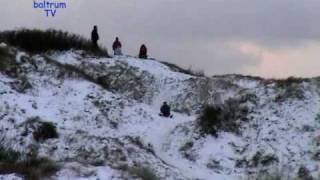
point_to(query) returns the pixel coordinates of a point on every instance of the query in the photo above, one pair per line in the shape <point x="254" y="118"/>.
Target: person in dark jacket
<point x="143" y="52"/>
<point x="165" y="110"/>
<point x="95" y="37"/>
<point x="117" y="47"/>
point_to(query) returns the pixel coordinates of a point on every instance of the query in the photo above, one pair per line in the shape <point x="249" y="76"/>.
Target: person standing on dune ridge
<point x="95" y="37"/>
<point x="117" y="47"/>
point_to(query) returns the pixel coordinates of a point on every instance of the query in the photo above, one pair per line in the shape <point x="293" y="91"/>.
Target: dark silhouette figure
<point x="143" y="52"/>
<point x="117" y="47"/>
<point x="165" y="110"/>
<point x="95" y="37"/>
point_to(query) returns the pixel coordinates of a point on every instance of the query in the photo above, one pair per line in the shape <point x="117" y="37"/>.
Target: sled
<point x="171" y="116"/>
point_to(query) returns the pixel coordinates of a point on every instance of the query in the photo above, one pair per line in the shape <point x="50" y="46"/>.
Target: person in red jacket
<point x="143" y="53"/>
<point x="117" y="47"/>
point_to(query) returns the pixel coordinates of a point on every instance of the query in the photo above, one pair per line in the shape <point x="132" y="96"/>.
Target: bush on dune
<point x="38" y="41"/>
<point x="226" y="117"/>
<point x="41" y="130"/>
<point x="3" y="59"/>
<point x="29" y="166"/>
<point x="291" y="88"/>
<point x="143" y="173"/>
<point x="45" y="131"/>
<point x="176" y="68"/>
<point x="284" y="83"/>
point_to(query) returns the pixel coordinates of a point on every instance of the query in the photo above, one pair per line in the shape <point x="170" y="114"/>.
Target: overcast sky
<point x="272" y="38"/>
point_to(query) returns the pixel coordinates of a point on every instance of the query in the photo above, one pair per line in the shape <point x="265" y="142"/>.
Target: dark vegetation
<point x="3" y="53"/>
<point x="189" y="71"/>
<point x="22" y="84"/>
<point x="8" y="156"/>
<point x="143" y="173"/>
<point x="239" y="76"/>
<point x="187" y="152"/>
<point x="281" y="173"/>
<point x="39" y="41"/>
<point x="28" y="165"/>
<point x="188" y="145"/>
<point x="31" y="168"/>
<point x="138" y="142"/>
<point x="290" y="88"/>
<point x="265" y="175"/>
<point x="4" y="59"/>
<point x="10" y="67"/>
<point x="284" y="83"/>
<point x="41" y="130"/>
<point x="226" y="117"/>
<point x="211" y="118"/>
<point x="45" y="131"/>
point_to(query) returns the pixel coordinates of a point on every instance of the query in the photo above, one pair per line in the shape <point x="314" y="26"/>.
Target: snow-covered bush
<point x="188" y="145"/>
<point x="142" y="145"/>
<point x="144" y="173"/>
<point x="304" y="173"/>
<point x="21" y="85"/>
<point x="259" y="159"/>
<point x="282" y="173"/>
<point x="31" y="168"/>
<point x="187" y="151"/>
<point x="263" y="159"/>
<point x="283" y="83"/>
<point x="290" y="88"/>
<point x="271" y="176"/>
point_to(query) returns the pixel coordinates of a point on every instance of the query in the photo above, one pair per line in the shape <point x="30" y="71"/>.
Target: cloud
<point x="268" y="22"/>
<point x="300" y="62"/>
<point x="221" y="57"/>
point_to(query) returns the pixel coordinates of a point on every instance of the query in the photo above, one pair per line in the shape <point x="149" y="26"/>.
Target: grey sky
<point x="273" y="38"/>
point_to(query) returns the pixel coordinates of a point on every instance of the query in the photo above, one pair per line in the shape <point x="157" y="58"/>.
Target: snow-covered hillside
<point x="106" y="114"/>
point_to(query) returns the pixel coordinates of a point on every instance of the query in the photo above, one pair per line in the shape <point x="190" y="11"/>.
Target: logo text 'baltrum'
<point x="49" y="7"/>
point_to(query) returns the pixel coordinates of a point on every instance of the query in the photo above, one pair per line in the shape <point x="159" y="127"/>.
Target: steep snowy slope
<point x="106" y="114"/>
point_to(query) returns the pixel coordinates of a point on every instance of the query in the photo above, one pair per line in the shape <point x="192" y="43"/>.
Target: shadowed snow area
<point x="106" y="113"/>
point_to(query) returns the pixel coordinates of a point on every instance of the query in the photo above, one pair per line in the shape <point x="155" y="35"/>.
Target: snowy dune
<point x="107" y="119"/>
